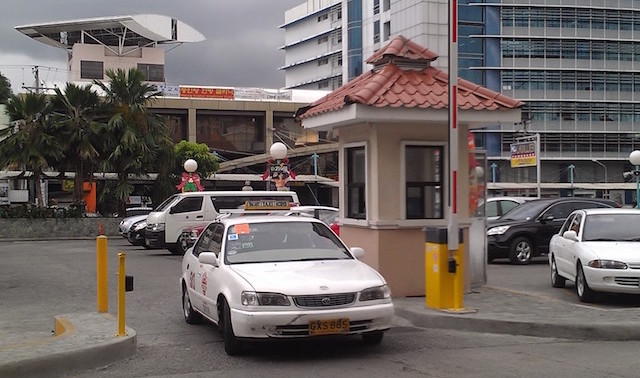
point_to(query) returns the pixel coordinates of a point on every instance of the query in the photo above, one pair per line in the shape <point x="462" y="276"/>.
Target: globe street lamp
<point x="634" y="158"/>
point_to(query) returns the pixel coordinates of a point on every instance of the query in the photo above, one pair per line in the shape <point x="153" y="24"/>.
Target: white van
<point x="166" y="222"/>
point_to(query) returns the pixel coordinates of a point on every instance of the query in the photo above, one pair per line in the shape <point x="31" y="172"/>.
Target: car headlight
<point x="252" y="298"/>
<point x="607" y="264"/>
<point x="373" y="293"/>
<point x="139" y="226"/>
<point x="497" y="230"/>
<point x="156" y="226"/>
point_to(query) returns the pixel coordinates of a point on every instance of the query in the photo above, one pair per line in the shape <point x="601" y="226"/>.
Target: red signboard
<point x="204" y="92"/>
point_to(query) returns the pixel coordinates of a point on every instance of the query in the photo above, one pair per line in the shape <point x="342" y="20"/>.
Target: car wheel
<point x="176" y="249"/>
<point x="182" y="245"/>
<point x="190" y="315"/>
<point x="585" y="294"/>
<point x="131" y="239"/>
<point x="521" y="251"/>
<point x="556" y="279"/>
<point x="232" y="345"/>
<point x="372" y="338"/>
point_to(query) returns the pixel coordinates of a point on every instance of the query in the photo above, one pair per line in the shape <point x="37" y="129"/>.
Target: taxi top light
<point x="267" y="205"/>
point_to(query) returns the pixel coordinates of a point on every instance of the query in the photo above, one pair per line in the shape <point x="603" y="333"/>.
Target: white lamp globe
<point x="190" y="165"/>
<point x="634" y="157"/>
<point x="479" y="172"/>
<point x="278" y="150"/>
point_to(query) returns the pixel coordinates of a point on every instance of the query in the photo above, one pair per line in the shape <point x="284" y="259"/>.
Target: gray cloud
<point x="241" y="47"/>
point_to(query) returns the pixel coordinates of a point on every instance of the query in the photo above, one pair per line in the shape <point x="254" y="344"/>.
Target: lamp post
<point x="603" y="166"/>
<point x="634" y="158"/>
<point x="278" y="153"/>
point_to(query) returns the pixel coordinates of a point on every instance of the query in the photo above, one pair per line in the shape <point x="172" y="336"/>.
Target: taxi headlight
<point x="373" y="293"/>
<point x="497" y="230"/>
<point x="252" y="298"/>
<point x="607" y="264"/>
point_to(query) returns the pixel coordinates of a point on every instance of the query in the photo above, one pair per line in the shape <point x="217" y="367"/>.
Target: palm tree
<point x="134" y="137"/>
<point x="31" y="143"/>
<point x="75" y="112"/>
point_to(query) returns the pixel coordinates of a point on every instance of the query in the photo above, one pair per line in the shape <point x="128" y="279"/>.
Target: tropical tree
<point x="31" y="143"/>
<point x="75" y="111"/>
<point x="133" y="136"/>
<point x="5" y="89"/>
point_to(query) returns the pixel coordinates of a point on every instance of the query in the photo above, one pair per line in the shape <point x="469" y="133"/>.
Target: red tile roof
<point x="402" y="77"/>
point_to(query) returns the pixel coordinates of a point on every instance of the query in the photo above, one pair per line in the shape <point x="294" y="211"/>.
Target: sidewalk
<point x="86" y="340"/>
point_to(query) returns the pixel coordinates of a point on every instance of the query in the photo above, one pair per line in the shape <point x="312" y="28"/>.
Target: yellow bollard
<point x="121" y="295"/>
<point x="101" y="273"/>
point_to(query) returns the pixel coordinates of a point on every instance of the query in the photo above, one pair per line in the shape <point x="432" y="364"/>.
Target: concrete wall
<point x="57" y="228"/>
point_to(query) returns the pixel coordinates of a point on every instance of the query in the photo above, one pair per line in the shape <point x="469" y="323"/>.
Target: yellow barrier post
<point x="444" y="272"/>
<point x="101" y="273"/>
<point x="121" y="295"/>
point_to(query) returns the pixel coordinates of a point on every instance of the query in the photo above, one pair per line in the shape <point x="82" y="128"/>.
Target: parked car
<point x="189" y="236"/>
<point x="284" y="277"/>
<point x="135" y="236"/>
<point x="134" y="215"/>
<point x="598" y="249"/>
<point x="525" y="231"/>
<point x="495" y="207"/>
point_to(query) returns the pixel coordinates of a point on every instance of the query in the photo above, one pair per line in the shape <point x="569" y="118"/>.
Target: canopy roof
<point x="137" y="30"/>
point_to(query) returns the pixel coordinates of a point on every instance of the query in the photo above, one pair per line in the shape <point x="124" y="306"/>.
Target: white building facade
<point x="328" y="41"/>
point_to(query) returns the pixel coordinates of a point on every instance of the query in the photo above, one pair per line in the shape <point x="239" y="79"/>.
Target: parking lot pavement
<point x="49" y="323"/>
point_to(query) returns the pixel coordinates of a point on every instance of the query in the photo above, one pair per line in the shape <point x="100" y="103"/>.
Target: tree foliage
<point x="207" y="162"/>
<point x="134" y="138"/>
<point x="75" y="111"/>
<point x="31" y="144"/>
<point x="5" y="89"/>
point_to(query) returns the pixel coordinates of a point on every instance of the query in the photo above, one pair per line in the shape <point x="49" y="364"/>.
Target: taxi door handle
<point x="199" y="216"/>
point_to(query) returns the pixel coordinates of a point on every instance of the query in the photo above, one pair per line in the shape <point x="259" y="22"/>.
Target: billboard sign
<point x="523" y="154"/>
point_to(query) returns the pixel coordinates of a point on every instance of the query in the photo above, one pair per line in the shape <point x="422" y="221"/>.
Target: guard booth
<point x="392" y="127"/>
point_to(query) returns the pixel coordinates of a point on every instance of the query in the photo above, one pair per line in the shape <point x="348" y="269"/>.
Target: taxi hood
<point x="310" y="277"/>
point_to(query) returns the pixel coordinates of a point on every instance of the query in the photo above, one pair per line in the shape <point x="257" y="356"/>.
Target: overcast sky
<point x="241" y="47"/>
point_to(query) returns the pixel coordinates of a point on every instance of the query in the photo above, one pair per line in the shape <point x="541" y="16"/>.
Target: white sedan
<point x="599" y="250"/>
<point x="263" y="277"/>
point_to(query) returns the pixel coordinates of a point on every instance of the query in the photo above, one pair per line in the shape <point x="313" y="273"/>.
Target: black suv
<point x="525" y="231"/>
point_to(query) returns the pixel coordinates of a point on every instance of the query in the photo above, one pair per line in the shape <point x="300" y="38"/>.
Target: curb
<point x="80" y="341"/>
<point x="605" y="331"/>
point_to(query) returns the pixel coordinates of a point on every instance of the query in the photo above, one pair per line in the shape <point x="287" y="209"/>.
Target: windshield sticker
<point x="247" y="245"/>
<point x="233" y="237"/>
<point x="242" y="228"/>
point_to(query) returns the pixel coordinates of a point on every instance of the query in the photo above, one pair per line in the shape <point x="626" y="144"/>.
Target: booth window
<point x="423" y="182"/>
<point x="356" y="205"/>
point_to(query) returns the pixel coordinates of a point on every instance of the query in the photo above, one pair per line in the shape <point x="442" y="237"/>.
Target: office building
<point x="575" y="64"/>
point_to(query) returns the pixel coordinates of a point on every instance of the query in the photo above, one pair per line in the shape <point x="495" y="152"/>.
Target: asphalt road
<point x="39" y="280"/>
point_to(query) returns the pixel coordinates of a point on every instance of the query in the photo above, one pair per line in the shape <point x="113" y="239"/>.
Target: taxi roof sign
<point x="267" y="205"/>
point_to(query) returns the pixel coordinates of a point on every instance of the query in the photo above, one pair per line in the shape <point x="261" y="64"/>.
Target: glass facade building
<point x="576" y="66"/>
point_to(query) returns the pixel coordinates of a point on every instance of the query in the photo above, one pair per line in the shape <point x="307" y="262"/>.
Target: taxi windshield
<point x="282" y="241"/>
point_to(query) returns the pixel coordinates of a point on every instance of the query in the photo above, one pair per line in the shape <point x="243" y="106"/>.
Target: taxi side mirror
<point x="208" y="258"/>
<point x="357" y="252"/>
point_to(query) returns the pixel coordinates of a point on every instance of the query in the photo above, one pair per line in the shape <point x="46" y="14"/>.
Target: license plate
<point x="328" y="327"/>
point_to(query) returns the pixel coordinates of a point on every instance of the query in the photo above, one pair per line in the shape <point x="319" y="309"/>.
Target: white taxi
<point x="263" y="277"/>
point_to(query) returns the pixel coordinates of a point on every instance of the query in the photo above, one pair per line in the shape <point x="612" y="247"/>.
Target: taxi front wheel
<point x="232" y="345"/>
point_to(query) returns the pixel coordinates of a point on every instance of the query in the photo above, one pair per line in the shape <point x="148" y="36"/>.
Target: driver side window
<point x="210" y="240"/>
